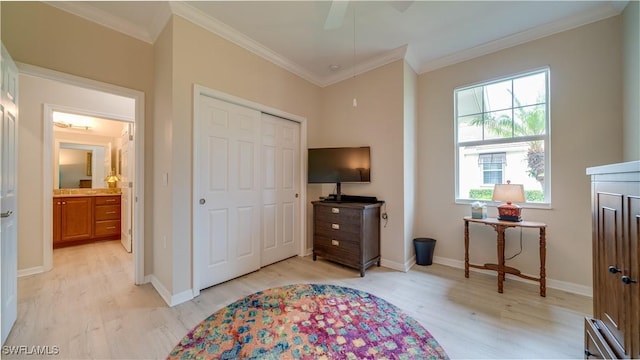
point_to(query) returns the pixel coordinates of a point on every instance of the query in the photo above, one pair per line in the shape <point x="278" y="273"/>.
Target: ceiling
<point x="293" y="34"/>
<point x="87" y="125"/>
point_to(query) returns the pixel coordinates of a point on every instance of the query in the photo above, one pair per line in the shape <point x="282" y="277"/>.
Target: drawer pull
<point x="335" y="226"/>
<point x="335" y="210"/>
<point x="335" y="242"/>
<point x="110" y="200"/>
<point x="110" y="212"/>
<point x="111" y="227"/>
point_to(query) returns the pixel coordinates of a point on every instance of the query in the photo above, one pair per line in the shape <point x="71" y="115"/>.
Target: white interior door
<point x="227" y="228"/>
<point x="8" y="195"/>
<point x="280" y="188"/>
<point x="125" y="160"/>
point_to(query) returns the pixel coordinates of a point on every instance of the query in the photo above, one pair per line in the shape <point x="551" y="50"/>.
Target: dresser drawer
<point x="337" y="229"/>
<point x="333" y="214"/>
<point x="107" y="228"/>
<point x="107" y="212"/>
<point x="344" y="250"/>
<point x="107" y="200"/>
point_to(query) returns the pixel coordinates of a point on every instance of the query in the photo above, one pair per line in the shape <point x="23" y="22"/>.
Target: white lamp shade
<point x="509" y="193"/>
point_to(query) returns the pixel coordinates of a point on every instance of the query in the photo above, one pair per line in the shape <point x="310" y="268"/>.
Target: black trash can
<point x="424" y="250"/>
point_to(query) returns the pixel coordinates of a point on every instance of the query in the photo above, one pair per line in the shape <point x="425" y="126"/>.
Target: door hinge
<point x="129" y="231"/>
<point x="130" y="184"/>
<point x="130" y="137"/>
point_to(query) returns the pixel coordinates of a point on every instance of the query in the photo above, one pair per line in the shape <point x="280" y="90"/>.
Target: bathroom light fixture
<point x="71" y="126"/>
<point x="72" y="121"/>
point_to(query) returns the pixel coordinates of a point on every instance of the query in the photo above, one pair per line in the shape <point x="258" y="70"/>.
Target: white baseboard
<point x="31" y="271"/>
<point x="551" y="283"/>
<point x="171" y="300"/>
<point x="404" y="267"/>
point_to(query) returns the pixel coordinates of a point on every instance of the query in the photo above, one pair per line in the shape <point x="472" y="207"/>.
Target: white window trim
<point x="546" y="204"/>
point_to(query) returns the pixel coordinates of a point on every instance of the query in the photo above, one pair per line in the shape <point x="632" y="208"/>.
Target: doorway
<point x="85" y="156"/>
<point x="83" y="104"/>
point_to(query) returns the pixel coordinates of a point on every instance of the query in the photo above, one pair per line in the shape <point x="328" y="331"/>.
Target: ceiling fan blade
<point x="336" y="14"/>
<point x="401" y="6"/>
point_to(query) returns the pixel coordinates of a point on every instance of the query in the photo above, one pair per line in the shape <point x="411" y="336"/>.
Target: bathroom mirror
<point x="81" y="166"/>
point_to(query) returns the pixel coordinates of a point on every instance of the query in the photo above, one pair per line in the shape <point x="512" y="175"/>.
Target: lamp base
<point x="509" y="212"/>
<point x="509" y="218"/>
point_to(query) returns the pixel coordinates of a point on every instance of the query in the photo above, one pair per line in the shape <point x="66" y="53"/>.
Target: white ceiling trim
<point x="374" y="63"/>
<point x="587" y="17"/>
<point x="103" y="18"/>
<point x="225" y="31"/>
<point x="221" y="29"/>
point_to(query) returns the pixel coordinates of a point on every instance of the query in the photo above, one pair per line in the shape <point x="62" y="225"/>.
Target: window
<point x="502" y="134"/>
<point x="492" y="167"/>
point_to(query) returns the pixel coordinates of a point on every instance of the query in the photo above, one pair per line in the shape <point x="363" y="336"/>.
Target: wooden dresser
<point x="347" y="233"/>
<point x="83" y="219"/>
<point x="614" y="330"/>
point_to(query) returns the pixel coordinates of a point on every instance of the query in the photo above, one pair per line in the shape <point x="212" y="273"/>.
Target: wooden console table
<point x="500" y="226"/>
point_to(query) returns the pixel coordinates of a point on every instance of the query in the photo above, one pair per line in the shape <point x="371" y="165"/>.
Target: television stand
<point x="347" y="233"/>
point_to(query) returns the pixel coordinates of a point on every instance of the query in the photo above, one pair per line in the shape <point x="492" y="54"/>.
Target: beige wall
<point x="631" y="75"/>
<point x="586" y="129"/>
<point x="162" y="203"/>
<point x="38" y="34"/>
<point x="377" y="122"/>
<point x="200" y="57"/>
<point x="410" y="159"/>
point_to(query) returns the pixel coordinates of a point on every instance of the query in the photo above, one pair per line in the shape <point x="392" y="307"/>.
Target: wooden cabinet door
<point x="57" y="217"/>
<point x="633" y="288"/>
<point x="609" y="264"/>
<point x="76" y="218"/>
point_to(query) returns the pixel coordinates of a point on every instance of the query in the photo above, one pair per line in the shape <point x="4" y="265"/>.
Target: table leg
<point x="543" y="255"/>
<point x="466" y="249"/>
<point x="500" y="230"/>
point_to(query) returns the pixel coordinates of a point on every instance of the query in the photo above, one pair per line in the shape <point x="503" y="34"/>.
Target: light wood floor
<point x="88" y="307"/>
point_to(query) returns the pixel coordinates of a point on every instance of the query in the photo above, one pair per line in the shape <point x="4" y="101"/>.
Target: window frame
<point x="545" y="138"/>
<point x="484" y="164"/>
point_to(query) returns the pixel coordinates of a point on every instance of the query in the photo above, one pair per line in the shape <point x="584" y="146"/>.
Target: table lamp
<point x="509" y="193"/>
<point x="112" y="180"/>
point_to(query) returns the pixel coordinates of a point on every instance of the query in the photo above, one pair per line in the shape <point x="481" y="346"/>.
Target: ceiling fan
<point x="338" y="10"/>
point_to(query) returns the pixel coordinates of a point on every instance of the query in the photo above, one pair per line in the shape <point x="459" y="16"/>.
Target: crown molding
<point x="600" y="13"/>
<point x="223" y="30"/>
<point x="190" y="13"/>
<point x="388" y="57"/>
<point x="103" y="18"/>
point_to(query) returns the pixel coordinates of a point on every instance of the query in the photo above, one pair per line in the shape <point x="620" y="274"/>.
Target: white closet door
<point x="280" y="188"/>
<point x="227" y="229"/>
<point x="8" y="194"/>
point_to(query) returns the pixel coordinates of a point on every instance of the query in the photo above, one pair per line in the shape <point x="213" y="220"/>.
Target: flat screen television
<point x="339" y="165"/>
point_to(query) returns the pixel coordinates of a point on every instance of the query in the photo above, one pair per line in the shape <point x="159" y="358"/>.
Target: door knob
<point x="6" y="214"/>
<point x="202" y="201"/>
<point x="614" y="270"/>
<point x="627" y="280"/>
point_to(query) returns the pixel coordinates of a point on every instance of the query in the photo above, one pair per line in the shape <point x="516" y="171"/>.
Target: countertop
<point x="85" y="192"/>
